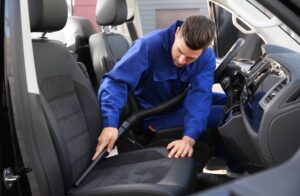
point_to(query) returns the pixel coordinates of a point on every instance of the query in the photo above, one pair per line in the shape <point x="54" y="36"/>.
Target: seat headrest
<point x="111" y="12"/>
<point x="77" y="27"/>
<point x="47" y="15"/>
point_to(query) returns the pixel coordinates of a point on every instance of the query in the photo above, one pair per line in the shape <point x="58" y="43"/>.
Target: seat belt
<point x="132" y="30"/>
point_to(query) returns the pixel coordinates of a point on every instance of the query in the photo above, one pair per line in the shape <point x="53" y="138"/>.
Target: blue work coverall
<point x="147" y="70"/>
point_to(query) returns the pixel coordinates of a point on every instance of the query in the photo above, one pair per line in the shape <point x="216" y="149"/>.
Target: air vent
<point x="274" y="92"/>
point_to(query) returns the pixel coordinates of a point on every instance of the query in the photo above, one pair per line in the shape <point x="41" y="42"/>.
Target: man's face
<point x="181" y="53"/>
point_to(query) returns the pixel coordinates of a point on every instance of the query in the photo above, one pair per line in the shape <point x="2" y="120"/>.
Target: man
<point x="156" y="68"/>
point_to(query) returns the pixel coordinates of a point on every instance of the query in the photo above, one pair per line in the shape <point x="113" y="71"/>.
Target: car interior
<point x="57" y="122"/>
<point x="72" y="119"/>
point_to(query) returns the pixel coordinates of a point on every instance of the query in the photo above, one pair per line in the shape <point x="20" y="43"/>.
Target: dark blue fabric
<point x="147" y="70"/>
<point x="254" y="111"/>
<point x="175" y="117"/>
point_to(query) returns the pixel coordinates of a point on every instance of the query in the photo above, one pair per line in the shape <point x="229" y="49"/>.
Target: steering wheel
<point x="228" y="57"/>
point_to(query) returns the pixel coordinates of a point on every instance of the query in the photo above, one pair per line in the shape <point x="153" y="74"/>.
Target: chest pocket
<point x="173" y="81"/>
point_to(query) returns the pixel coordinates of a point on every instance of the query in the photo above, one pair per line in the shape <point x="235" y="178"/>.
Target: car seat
<point x="72" y="118"/>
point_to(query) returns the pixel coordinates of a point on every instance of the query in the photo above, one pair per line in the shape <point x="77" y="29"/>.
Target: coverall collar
<point x="169" y="36"/>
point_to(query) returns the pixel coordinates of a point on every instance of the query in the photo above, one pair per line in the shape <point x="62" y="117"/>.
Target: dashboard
<point x="264" y="81"/>
<point x="261" y="126"/>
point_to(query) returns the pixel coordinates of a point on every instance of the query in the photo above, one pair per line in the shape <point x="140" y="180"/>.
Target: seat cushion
<point x="143" y="172"/>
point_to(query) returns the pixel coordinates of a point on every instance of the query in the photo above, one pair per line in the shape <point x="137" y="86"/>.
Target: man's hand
<point x="107" y="138"/>
<point x="181" y="148"/>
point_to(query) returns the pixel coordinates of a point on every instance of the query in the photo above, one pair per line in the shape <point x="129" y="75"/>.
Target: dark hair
<point x="198" y="32"/>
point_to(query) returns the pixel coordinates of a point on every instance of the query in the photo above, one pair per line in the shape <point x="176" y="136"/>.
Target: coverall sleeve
<point x="197" y="103"/>
<point x="124" y="76"/>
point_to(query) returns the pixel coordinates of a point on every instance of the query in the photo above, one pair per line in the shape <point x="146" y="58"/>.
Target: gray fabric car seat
<point x="74" y="123"/>
<point x="108" y="47"/>
<point x="77" y="32"/>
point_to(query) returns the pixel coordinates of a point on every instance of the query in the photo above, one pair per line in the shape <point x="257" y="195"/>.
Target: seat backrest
<point x="67" y="97"/>
<point x="77" y="32"/>
<point x="108" y="47"/>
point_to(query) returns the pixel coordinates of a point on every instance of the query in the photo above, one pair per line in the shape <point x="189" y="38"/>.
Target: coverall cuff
<point x="110" y="122"/>
<point x="193" y="134"/>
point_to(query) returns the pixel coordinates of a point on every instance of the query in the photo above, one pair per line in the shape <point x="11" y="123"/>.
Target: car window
<point x="228" y="34"/>
<point x="156" y="14"/>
